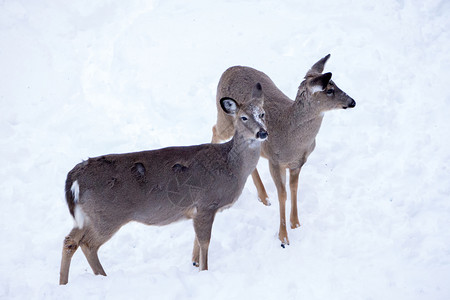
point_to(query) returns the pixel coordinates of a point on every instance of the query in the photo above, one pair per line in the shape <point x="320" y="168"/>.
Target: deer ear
<point x="229" y="105"/>
<point x="257" y="91"/>
<point x="318" y="66"/>
<point x="320" y="83"/>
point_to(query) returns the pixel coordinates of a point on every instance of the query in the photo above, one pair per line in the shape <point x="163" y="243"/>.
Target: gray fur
<point x="162" y="186"/>
<point x="292" y="125"/>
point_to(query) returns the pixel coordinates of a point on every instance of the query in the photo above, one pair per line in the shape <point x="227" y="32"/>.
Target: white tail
<point x="293" y="126"/>
<point x="163" y="186"/>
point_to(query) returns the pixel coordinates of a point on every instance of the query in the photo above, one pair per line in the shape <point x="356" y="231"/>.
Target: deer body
<point x="132" y="182"/>
<point x="162" y="186"/>
<point x="293" y="126"/>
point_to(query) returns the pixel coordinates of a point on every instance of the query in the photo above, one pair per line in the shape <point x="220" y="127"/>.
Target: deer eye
<point x="262" y="116"/>
<point x="330" y="92"/>
<point x="244" y="118"/>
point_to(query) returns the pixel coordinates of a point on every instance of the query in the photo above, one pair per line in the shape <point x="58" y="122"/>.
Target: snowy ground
<point x="80" y="79"/>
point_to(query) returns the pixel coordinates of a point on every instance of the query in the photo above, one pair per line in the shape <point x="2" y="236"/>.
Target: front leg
<point x="279" y="178"/>
<point x="202" y="225"/>
<point x="293" y="184"/>
<point x="196" y="253"/>
<point x="262" y="194"/>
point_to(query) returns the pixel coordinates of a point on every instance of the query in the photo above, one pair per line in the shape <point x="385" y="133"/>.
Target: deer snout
<point x="262" y="134"/>
<point x="351" y="104"/>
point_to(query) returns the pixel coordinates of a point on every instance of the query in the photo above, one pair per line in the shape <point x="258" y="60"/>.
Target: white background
<point x="85" y="78"/>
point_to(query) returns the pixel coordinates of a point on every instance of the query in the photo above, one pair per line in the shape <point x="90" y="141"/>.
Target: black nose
<point x="261" y="134"/>
<point x="352" y="104"/>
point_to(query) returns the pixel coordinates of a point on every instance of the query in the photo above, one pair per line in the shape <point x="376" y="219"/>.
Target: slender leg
<point x="223" y="130"/>
<point x="279" y="177"/>
<point x="262" y="194"/>
<point x="196" y="253"/>
<point x="92" y="258"/>
<point x="70" y="246"/>
<point x="293" y="184"/>
<point x="215" y="138"/>
<point x="203" y="225"/>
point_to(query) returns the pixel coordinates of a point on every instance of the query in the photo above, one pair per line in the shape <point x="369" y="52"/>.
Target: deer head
<point x="319" y="91"/>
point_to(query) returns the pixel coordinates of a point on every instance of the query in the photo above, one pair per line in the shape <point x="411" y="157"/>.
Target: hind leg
<point x="220" y="135"/>
<point x="92" y="258"/>
<point x="224" y="128"/>
<point x="91" y="242"/>
<point x="70" y="245"/>
<point x="215" y="138"/>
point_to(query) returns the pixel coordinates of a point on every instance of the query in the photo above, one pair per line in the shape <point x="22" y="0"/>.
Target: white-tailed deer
<point x="163" y="186"/>
<point x="293" y="126"/>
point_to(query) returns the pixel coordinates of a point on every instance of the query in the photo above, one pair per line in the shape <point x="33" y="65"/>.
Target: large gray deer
<point x="293" y="126"/>
<point x="162" y="186"/>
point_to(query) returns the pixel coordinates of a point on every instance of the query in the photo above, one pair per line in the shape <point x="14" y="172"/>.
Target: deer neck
<point x="244" y="153"/>
<point x="305" y="111"/>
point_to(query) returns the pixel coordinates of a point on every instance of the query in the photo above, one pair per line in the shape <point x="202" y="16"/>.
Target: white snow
<point x="86" y="78"/>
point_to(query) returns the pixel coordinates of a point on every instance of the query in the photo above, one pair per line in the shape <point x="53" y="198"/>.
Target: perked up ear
<point x="229" y="105"/>
<point x="320" y="83"/>
<point x="257" y="91"/>
<point x="318" y="66"/>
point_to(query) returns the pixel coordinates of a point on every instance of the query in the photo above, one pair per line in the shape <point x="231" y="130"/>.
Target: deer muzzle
<point x="261" y="134"/>
<point x="351" y="104"/>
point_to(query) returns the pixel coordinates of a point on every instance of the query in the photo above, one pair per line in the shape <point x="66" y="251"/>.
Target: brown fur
<point x="292" y="125"/>
<point x="162" y="186"/>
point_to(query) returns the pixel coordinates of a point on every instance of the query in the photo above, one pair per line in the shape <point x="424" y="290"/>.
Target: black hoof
<point x="283" y="246"/>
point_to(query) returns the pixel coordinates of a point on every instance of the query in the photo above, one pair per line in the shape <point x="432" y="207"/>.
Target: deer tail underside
<point x="72" y="194"/>
<point x="73" y="198"/>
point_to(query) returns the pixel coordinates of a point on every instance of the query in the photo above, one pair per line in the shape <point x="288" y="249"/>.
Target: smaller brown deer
<point x="163" y="186"/>
<point x="293" y="126"/>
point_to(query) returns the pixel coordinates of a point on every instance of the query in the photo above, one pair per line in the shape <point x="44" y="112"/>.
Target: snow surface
<point x="85" y="78"/>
